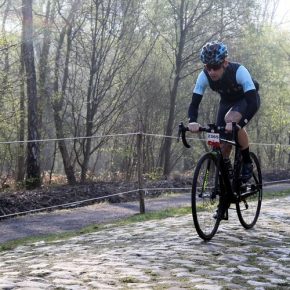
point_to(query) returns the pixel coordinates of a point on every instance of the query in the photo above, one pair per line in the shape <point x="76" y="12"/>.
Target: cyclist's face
<point x="216" y="72"/>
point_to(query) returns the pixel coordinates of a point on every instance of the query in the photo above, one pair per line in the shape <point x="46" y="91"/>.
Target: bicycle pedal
<point x="225" y="217"/>
<point x="218" y="216"/>
<point x="254" y="187"/>
<point x="244" y="187"/>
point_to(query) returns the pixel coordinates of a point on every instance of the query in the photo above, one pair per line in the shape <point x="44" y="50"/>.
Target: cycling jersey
<point x="237" y="89"/>
<point x="235" y="81"/>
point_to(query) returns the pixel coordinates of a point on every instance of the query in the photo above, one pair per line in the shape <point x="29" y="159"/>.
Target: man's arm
<point x="198" y="91"/>
<point x="253" y="104"/>
<point x="244" y="78"/>
<point x="193" y="107"/>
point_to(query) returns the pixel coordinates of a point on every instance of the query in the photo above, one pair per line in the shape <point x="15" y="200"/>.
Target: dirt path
<point x="73" y="219"/>
<point x="159" y="254"/>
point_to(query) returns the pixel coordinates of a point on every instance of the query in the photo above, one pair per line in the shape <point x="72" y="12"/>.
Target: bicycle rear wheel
<point x="249" y="206"/>
<point x="205" y="197"/>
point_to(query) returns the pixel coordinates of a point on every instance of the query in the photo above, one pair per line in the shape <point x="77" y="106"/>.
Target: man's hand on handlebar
<point x="229" y="127"/>
<point x="193" y="127"/>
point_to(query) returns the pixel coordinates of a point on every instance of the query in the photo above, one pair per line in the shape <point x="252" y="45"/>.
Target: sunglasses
<point x="210" y="67"/>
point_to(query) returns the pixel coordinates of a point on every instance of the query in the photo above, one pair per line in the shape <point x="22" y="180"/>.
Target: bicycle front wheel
<point x="205" y="196"/>
<point x="249" y="205"/>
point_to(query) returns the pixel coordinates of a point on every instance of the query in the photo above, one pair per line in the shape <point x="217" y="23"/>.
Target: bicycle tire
<point x="248" y="208"/>
<point x="205" y="197"/>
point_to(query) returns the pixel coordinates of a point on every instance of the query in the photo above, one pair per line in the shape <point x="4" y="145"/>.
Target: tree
<point x="104" y="67"/>
<point x="58" y="98"/>
<point x="33" y="178"/>
<point x="270" y="67"/>
<point x="193" y="24"/>
<point x="20" y="167"/>
<point x="112" y="44"/>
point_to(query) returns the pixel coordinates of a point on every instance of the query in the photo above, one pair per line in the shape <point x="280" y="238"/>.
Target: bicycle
<point x="214" y="189"/>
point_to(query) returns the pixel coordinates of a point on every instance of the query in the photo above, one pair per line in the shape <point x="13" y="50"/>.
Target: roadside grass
<point x="156" y="215"/>
<point x="277" y="194"/>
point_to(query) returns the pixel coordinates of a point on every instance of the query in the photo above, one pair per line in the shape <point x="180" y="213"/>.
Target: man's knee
<point x="233" y="116"/>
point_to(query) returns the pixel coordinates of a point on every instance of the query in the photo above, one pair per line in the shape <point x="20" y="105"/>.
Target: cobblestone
<point x="162" y="254"/>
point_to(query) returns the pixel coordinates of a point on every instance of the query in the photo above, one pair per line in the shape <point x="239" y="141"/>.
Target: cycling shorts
<point x="240" y="106"/>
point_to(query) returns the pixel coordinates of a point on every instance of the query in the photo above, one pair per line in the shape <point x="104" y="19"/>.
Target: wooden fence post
<point x="289" y="144"/>
<point x="140" y="172"/>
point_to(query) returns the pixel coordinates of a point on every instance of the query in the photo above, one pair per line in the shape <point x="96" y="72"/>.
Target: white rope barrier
<point x="71" y="204"/>
<point x="276" y="181"/>
<point x="70" y="138"/>
<point x="203" y="139"/>
<point x="75" y="203"/>
<point x="67" y="205"/>
<point x="122" y="135"/>
<point x="166" y="188"/>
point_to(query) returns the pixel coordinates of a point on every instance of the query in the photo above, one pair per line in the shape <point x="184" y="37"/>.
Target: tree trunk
<point x="87" y="152"/>
<point x="181" y="33"/>
<point x="169" y="128"/>
<point x="57" y="104"/>
<point x="20" y="169"/>
<point x="20" y="160"/>
<point x="33" y="178"/>
<point x="43" y="67"/>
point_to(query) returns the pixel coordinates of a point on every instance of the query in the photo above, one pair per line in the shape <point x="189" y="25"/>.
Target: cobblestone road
<point x="163" y="254"/>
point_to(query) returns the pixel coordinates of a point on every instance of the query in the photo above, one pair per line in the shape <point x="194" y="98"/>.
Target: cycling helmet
<point x="213" y="53"/>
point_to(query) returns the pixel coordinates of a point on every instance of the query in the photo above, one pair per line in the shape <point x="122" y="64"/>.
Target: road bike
<point x="215" y="189"/>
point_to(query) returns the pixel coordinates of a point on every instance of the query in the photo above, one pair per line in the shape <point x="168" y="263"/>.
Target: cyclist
<point x="239" y="98"/>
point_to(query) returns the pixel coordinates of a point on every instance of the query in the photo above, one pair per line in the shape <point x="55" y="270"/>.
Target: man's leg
<point x="243" y="139"/>
<point x="233" y="116"/>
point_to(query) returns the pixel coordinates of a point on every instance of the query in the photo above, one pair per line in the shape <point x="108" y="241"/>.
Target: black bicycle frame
<point x="232" y="188"/>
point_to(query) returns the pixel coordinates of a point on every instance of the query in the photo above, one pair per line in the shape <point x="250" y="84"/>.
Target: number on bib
<point x="213" y="139"/>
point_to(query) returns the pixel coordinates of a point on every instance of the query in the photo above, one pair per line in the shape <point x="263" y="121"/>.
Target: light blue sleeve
<point x="244" y="78"/>
<point x="201" y="83"/>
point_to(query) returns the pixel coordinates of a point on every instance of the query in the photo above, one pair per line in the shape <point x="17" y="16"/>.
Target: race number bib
<point x="213" y="139"/>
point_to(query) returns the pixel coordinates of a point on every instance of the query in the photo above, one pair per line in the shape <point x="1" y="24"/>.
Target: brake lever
<point x="181" y="132"/>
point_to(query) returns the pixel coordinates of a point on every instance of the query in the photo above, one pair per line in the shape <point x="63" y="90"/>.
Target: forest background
<point x="84" y="77"/>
